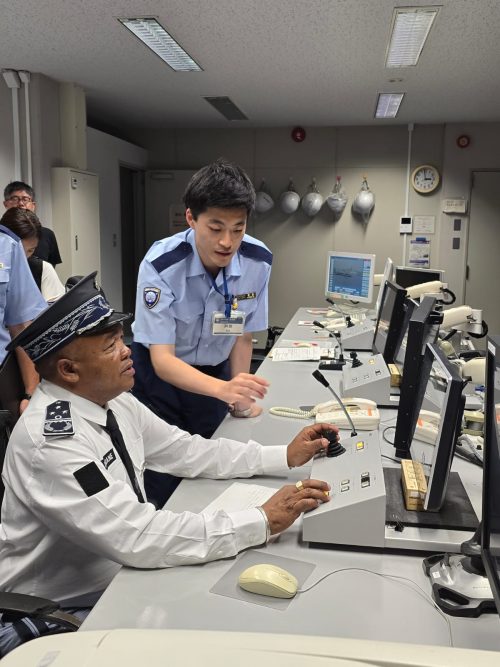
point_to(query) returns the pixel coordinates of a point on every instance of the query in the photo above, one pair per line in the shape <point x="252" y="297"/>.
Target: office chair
<point x="14" y="606"/>
<point x="259" y="354"/>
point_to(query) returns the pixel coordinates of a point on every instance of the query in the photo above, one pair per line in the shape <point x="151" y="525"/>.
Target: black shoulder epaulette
<point x="58" y="419"/>
<point x="253" y="251"/>
<point x="172" y="256"/>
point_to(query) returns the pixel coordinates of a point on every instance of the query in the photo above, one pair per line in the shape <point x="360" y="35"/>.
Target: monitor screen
<point x="423" y="328"/>
<point x="440" y="419"/>
<point x="407" y="276"/>
<point x="390" y="322"/>
<point x="388" y="275"/>
<point x="350" y="276"/>
<point x="490" y="536"/>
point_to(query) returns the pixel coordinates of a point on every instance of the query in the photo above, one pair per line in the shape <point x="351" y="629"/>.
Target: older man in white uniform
<point x="74" y="508"/>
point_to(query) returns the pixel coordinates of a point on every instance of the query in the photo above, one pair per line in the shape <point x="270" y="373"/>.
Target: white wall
<point x="6" y="140"/>
<point x="459" y="163"/>
<point x="45" y="139"/>
<point x="105" y="155"/>
<point x="300" y="244"/>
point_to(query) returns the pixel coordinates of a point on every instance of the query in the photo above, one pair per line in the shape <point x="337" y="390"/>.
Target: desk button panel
<point x="365" y="479"/>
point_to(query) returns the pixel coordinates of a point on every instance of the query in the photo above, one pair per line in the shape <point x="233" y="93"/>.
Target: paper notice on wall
<point x="177" y="218"/>
<point x="420" y="252"/>
<point x="424" y="224"/>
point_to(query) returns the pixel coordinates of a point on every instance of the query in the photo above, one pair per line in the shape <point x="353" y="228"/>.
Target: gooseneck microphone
<point x="317" y="375"/>
<point x="334" y="336"/>
<point x="338" y="336"/>
<point x="338" y="309"/>
<point x="322" y="326"/>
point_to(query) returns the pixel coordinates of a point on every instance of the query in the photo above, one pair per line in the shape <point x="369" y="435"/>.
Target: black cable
<point x="470" y="457"/>
<point x="384" y="456"/>
<point x="483" y="333"/>
<point x="384" y="432"/>
<point x="453" y="298"/>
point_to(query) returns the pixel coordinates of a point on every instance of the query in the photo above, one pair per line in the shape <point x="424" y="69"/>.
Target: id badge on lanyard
<point x="234" y="325"/>
<point x="230" y="322"/>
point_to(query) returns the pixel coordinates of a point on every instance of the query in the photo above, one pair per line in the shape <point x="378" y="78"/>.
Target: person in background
<point x="21" y="195"/>
<point x="74" y="508"/>
<point x="27" y="227"/>
<point x="200" y="295"/>
<point x="20" y="302"/>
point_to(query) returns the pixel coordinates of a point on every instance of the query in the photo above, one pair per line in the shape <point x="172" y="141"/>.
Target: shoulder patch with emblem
<point x="151" y="296"/>
<point x="58" y="419"/>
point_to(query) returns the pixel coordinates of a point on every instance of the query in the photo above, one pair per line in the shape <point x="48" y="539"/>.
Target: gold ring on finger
<point x="299" y="485"/>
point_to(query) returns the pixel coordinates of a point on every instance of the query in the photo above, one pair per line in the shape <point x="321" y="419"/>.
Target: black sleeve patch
<point x="91" y="479"/>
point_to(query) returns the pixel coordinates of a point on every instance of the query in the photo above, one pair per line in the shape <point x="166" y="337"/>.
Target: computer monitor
<point x="349" y="275"/>
<point x="407" y="276"/>
<point x="423" y="328"/>
<point x="388" y="275"/>
<point x="490" y="534"/>
<point x="443" y="402"/>
<point x="389" y="329"/>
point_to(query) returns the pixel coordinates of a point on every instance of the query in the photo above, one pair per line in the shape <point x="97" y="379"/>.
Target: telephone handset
<point x="363" y="412"/>
<point x="427" y="428"/>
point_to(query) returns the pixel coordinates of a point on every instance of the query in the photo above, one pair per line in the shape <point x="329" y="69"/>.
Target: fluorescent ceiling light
<point x="410" y="28"/>
<point x="388" y="105"/>
<point x="149" y="31"/>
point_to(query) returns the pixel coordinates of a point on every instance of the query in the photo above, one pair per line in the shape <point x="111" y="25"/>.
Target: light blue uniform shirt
<point x="176" y="298"/>
<point x="20" y="298"/>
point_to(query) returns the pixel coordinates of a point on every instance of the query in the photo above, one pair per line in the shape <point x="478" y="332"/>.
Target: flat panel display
<point x="490" y="537"/>
<point x="350" y="276"/>
<point x="407" y="276"/>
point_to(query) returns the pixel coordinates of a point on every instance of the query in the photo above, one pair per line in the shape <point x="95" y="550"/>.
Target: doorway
<point x="482" y="278"/>
<point x="132" y="234"/>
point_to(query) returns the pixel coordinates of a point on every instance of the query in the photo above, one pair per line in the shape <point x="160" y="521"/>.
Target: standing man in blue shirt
<point x="20" y="302"/>
<point x="200" y="295"/>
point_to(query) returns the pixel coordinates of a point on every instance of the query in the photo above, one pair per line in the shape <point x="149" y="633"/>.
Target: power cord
<point x="403" y="581"/>
<point x="388" y="428"/>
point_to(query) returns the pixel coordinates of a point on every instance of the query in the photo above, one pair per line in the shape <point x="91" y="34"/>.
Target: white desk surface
<point x="349" y="604"/>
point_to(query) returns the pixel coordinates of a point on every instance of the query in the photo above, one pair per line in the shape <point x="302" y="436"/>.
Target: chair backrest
<point x="11" y="392"/>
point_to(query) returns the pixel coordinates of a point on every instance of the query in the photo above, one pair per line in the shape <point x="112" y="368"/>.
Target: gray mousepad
<point x="228" y="583"/>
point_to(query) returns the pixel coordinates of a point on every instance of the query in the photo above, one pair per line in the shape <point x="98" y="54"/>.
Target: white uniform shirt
<point x="51" y="287"/>
<point x="58" y="542"/>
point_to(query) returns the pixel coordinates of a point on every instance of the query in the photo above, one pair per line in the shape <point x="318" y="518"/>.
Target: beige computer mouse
<point x="267" y="579"/>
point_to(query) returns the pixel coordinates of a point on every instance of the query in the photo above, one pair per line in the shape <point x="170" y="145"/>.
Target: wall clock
<point x="425" y="179"/>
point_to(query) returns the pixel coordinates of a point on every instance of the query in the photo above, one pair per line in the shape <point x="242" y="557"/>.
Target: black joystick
<point x="334" y="447"/>
<point x="355" y="361"/>
<point x="348" y="321"/>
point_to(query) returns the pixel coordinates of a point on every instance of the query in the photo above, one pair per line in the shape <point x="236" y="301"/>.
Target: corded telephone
<point x="427" y="428"/>
<point x="363" y="412"/>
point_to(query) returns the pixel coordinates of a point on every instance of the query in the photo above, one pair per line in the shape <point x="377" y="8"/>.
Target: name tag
<point x="233" y="325"/>
<point x="244" y="297"/>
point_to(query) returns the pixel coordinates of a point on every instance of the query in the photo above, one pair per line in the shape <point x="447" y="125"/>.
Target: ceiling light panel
<point x="410" y="29"/>
<point x="227" y="108"/>
<point x="149" y="31"/>
<point x="388" y="105"/>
